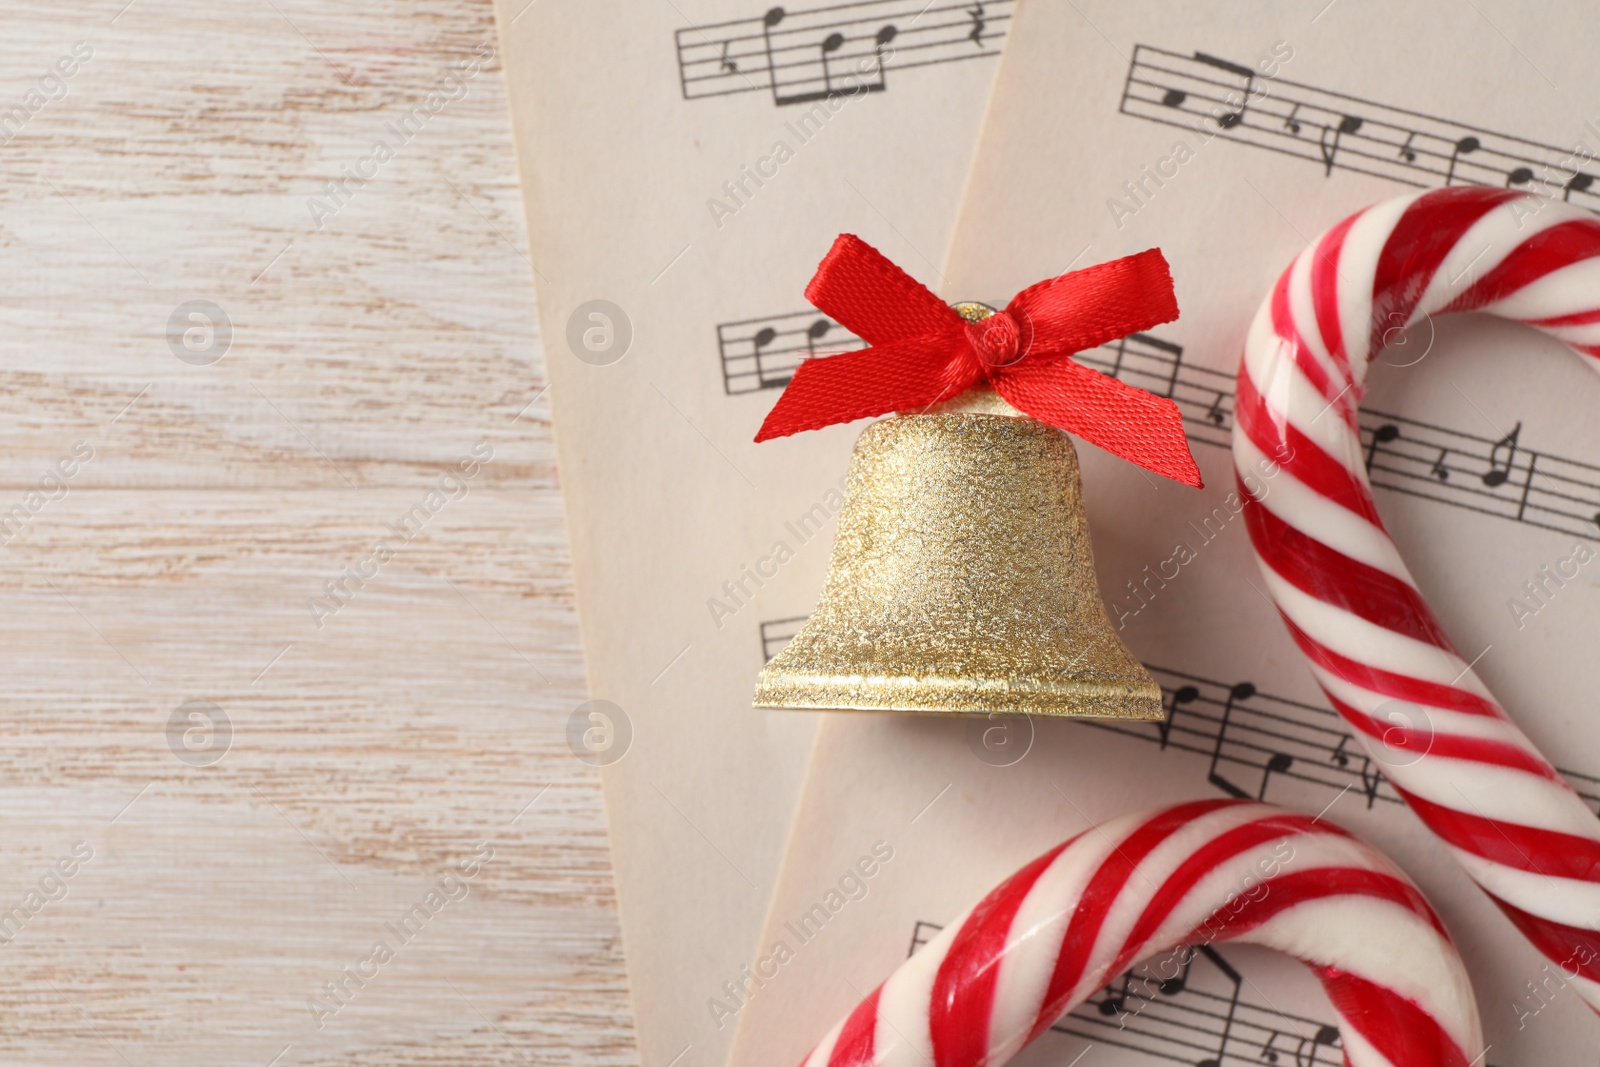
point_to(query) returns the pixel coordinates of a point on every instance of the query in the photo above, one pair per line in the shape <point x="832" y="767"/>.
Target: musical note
<point x="1381" y="436"/>
<point x="921" y="934"/>
<point x="773" y="16"/>
<point x="1438" y="470"/>
<point x="1117" y="1003"/>
<point x="1233" y="1003"/>
<point x="1186" y="694"/>
<point x="830" y="44"/>
<point x="1177" y="368"/>
<point x="1182" y="1011"/>
<point x="1463" y="147"/>
<point x="1278" y="763"/>
<point x="804" y="54"/>
<point x="764" y="337"/>
<point x="1307" y="742"/>
<point x="978" y="24"/>
<point x="1214" y="412"/>
<point x="1278" y="737"/>
<point x="1233" y="118"/>
<point x="1371" y="780"/>
<point x="825" y="51"/>
<point x="1365" y="136"/>
<point x="1347" y="124"/>
<point x="1551" y="492"/>
<point x="1496" y="475"/>
<point x="1202" y="1017"/>
<point x="1527" y="487"/>
<point x="815" y="332"/>
<point x="763" y="353"/>
<point x="886" y="33"/>
<point x="1326" y="1035"/>
<point x="1241" y="691"/>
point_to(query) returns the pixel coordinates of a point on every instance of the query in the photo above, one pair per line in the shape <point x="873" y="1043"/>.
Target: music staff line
<point x="1216" y="97"/>
<point x="1184" y="1019"/>
<point x="1244" y="732"/>
<point x="1491" y="476"/>
<point x="806" y="55"/>
<point x="763" y="353"/>
<point x="1234" y="109"/>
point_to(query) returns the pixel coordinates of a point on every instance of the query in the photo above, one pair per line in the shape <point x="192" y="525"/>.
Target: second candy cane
<point x="1337" y="579"/>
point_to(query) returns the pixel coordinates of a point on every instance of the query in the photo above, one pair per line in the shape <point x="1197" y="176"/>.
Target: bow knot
<point x="924" y="353"/>
<point x="997" y="340"/>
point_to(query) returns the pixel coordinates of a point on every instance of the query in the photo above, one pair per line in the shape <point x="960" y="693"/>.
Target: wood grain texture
<point x="376" y="748"/>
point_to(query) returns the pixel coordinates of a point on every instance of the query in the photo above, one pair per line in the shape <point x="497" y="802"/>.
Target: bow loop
<point x="874" y="299"/>
<point x="1086" y="308"/>
<point x="924" y="353"/>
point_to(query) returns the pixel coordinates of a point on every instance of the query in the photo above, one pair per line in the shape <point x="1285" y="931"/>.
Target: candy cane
<point x="1066" y="924"/>
<point x="1477" y="782"/>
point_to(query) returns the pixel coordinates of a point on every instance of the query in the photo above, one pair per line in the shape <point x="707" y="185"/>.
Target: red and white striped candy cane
<point x="1477" y="782"/>
<point x="1068" y="923"/>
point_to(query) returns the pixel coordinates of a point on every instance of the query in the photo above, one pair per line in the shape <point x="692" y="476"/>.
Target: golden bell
<point x="962" y="580"/>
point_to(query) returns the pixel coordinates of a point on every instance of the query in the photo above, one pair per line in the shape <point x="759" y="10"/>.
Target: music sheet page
<point x="686" y="165"/>
<point x="1231" y="140"/>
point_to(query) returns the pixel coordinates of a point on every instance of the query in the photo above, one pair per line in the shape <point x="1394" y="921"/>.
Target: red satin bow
<point x="923" y="353"/>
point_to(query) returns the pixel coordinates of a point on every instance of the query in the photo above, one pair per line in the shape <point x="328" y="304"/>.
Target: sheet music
<point x="668" y="193"/>
<point x="1482" y="446"/>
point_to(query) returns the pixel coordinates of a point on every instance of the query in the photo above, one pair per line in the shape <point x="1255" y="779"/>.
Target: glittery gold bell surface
<point x="962" y="581"/>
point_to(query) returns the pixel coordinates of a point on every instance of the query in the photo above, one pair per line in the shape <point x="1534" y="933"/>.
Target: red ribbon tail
<point x="904" y="376"/>
<point x="1138" y="426"/>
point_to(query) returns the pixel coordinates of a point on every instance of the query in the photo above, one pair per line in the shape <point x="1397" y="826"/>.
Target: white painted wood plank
<point x="424" y="719"/>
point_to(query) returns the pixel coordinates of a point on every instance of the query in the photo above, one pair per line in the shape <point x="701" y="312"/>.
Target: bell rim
<point x="1135" y="700"/>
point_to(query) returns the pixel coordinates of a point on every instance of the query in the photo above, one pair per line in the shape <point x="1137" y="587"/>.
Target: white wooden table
<point x="196" y="509"/>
